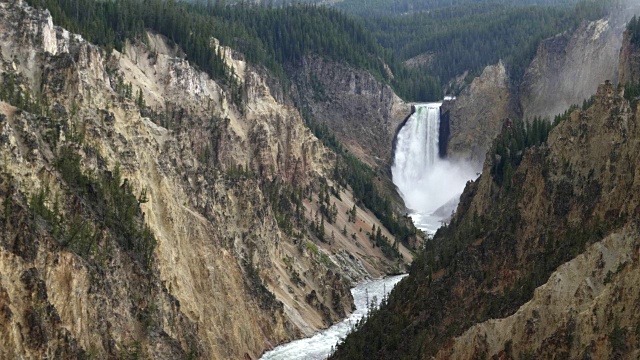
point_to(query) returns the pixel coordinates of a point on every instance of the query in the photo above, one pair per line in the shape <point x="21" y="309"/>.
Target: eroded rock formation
<point x="138" y="208"/>
<point x="476" y="116"/>
<point x="363" y="112"/>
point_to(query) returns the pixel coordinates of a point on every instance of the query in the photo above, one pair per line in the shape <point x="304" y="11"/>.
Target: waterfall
<point x="417" y="145"/>
<point x="425" y="181"/>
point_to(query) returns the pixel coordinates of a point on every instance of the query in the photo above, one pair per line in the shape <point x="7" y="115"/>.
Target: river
<point x="319" y="346"/>
<point x="430" y="186"/>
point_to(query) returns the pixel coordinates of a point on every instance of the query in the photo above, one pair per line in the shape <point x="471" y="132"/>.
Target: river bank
<point x="320" y="345"/>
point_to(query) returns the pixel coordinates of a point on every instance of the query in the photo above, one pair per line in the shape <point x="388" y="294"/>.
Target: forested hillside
<point x="453" y="40"/>
<point x="142" y="210"/>
<point x="377" y="8"/>
<point x="541" y="201"/>
<point x="268" y="36"/>
<point x="440" y="39"/>
<point x="633" y="28"/>
<point x="271" y="37"/>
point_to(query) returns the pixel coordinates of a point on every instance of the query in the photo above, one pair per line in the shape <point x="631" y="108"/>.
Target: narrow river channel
<point x="319" y="346"/>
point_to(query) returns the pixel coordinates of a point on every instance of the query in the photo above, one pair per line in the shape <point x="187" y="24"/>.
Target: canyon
<point x="541" y="255"/>
<point x="565" y="71"/>
<point x="148" y="210"/>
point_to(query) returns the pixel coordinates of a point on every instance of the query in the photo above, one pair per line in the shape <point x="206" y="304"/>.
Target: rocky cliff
<point x="629" y="67"/>
<point x="597" y="319"/>
<point x="476" y="116"/>
<point x="363" y="112"/>
<point x="582" y="308"/>
<point x="567" y="201"/>
<point x="565" y="71"/>
<point x="145" y="214"/>
<point x="569" y="66"/>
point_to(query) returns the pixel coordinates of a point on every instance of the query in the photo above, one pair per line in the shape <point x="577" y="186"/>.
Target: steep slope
<point x="587" y="309"/>
<point x="584" y="301"/>
<point x="144" y="213"/>
<point x="363" y="112"/>
<point x="511" y="232"/>
<point x="629" y="68"/>
<point x="564" y="72"/>
<point x="568" y="67"/>
<point x="476" y="116"/>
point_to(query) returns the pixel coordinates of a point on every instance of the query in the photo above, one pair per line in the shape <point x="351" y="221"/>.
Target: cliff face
<point x="476" y="116"/>
<point x="565" y="71"/>
<point x="363" y="112"/>
<point x="568" y="67"/>
<point x="597" y="320"/>
<point x="629" y="68"/>
<point x="568" y="197"/>
<point x="138" y="208"/>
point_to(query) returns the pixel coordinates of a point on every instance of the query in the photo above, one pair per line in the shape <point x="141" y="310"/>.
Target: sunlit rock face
<point x="225" y="281"/>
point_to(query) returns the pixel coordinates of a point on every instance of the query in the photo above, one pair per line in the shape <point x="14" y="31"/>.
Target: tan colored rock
<point x="576" y="313"/>
<point x="221" y="283"/>
<point x="477" y="115"/>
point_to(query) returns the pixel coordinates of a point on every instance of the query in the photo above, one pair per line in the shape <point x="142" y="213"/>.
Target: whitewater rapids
<point x="319" y="346"/>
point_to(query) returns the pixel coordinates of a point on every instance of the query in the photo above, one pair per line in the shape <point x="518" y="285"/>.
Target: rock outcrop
<point x="139" y="212"/>
<point x="476" y="116"/>
<point x="569" y="66"/>
<point x="629" y="68"/>
<point x="564" y="72"/>
<point x="363" y="112"/>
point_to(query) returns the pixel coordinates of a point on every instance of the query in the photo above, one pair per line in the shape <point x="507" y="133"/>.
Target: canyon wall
<point x="564" y="72"/>
<point x="362" y="111"/>
<point x="569" y="66"/>
<point x="476" y="116"/>
<point x="145" y="213"/>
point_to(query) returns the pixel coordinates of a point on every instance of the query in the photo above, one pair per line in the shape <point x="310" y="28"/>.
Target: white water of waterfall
<point x="429" y="185"/>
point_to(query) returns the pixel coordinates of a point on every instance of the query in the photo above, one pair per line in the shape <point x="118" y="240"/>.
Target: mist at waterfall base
<point x="429" y="185"/>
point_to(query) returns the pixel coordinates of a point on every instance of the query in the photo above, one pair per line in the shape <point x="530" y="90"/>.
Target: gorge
<point x="181" y="180"/>
<point x="430" y="185"/>
<point x="176" y="223"/>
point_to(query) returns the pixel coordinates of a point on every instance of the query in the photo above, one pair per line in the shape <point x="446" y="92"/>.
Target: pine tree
<point x="140" y="99"/>
<point x="321" y="230"/>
